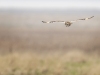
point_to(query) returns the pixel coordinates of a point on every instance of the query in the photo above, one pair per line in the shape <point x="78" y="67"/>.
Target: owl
<point x="68" y="23"/>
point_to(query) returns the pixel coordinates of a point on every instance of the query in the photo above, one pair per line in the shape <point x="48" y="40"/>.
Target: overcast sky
<point x="40" y="4"/>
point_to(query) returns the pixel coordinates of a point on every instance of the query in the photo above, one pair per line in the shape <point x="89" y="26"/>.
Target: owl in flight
<point x="68" y="23"/>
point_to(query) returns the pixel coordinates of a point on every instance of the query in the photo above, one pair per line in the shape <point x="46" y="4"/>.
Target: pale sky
<point x="40" y="4"/>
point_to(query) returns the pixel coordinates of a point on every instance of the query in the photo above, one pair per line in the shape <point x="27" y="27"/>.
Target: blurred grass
<point x="29" y="47"/>
<point x="78" y="63"/>
<point x="25" y="32"/>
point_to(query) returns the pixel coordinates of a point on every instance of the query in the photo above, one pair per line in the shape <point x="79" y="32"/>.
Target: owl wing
<point x="86" y="18"/>
<point x="48" y="21"/>
<point x="53" y="21"/>
<point x="59" y="21"/>
<point x="82" y="19"/>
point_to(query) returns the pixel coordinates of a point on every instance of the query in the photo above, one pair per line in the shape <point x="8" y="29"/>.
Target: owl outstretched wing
<point x="82" y="19"/>
<point x="48" y="21"/>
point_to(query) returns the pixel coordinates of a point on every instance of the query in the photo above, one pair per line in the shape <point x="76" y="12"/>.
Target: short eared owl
<point x="67" y="23"/>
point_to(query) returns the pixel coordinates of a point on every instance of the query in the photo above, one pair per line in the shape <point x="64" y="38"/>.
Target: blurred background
<point x="21" y="28"/>
<point x="22" y="34"/>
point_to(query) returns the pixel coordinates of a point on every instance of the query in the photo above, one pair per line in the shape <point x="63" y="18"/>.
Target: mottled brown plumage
<point x="67" y="23"/>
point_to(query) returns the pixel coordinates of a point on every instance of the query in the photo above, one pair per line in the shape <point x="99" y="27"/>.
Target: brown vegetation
<point x="28" y="47"/>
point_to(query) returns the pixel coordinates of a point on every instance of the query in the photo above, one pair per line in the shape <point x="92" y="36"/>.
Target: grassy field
<point x="29" y="47"/>
<point x="71" y="63"/>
